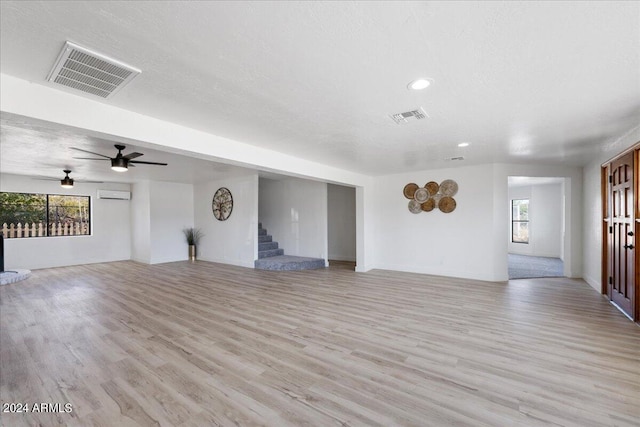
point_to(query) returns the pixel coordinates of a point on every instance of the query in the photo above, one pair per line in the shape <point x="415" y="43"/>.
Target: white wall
<point x="545" y="220"/>
<point x="458" y="244"/>
<point x="294" y="211"/>
<point x="141" y="222"/>
<point x="365" y="227"/>
<point x="592" y="252"/>
<point x="159" y="213"/>
<point x="472" y="241"/>
<point x="171" y="212"/>
<point x="110" y="229"/>
<point x="234" y="241"/>
<point x="341" y="222"/>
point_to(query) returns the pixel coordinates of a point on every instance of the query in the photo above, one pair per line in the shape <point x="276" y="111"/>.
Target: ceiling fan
<point x="67" y="182"/>
<point x="119" y="163"/>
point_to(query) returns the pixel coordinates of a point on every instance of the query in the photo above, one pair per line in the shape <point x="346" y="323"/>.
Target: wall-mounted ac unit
<point x="114" y="195"/>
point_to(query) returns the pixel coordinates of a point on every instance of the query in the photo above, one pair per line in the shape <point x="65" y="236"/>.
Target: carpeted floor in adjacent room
<point x="526" y="267"/>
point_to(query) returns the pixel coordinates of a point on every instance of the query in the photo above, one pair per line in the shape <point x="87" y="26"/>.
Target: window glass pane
<point x="21" y="208"/>
<point x="41" y="215"/>
<point x="520" y="221"/>
<point x="520" y="210"/>
<point x="68" y="215"/>
<point x="520" y="232"/>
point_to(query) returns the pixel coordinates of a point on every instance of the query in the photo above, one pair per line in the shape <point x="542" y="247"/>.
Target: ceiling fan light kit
<point x="120" y="164"/>
<point x="66" y="182"/>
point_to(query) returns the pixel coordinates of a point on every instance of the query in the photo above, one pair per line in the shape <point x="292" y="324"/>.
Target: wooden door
<point x="621" y="283"/>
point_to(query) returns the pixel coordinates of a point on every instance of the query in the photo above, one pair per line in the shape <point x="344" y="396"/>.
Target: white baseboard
<point x="362" y="269"/>
<point x="595" y="284"/>
<point x="460" y="274"/>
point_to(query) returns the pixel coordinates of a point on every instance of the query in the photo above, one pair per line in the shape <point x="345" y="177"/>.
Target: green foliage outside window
<point x="51" y="210"/>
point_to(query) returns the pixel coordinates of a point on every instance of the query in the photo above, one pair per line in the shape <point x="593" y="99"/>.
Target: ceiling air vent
<point x="418" y="114"/>
<point x="90" y="72"/>
<point x="454" y="158"/>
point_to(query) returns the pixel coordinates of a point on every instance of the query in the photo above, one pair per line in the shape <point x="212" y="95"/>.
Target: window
<point x="44" y="215"/>
<point x="520" y="221"/>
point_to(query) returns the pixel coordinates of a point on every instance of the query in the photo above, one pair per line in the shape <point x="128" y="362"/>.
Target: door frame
<point x="604" y="177"/>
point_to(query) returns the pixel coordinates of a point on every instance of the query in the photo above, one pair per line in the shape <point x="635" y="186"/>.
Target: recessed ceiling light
<point x="419" y="84"/>
<point x="463" y="144"/>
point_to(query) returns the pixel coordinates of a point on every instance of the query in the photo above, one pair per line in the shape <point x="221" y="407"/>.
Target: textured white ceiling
<point x="535" y="82"/>
<point x="43" y="149"/>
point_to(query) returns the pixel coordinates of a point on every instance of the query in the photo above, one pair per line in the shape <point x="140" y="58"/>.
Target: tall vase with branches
<point x="193" y="236"/>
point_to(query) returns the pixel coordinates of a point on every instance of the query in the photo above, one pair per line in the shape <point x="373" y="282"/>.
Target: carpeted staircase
<point x="271" y="257"/>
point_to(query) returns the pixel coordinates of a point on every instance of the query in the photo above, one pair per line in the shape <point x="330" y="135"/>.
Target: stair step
<point x="289" y="263"/>
<point x="262" y="232"/>
<point x="267" y="246"/>
<point x="270" y="253"/>
<point x="265" y="239"/>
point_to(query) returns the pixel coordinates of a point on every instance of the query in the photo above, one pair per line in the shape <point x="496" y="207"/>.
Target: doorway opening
<point x="341" y="226"/>
<point x="537" y="227"/>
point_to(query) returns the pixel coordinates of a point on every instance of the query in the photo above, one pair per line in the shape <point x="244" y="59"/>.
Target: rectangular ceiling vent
<point x="90" y="72"/>
<point x="454" y="158"/>
<point x="418" y="114"/>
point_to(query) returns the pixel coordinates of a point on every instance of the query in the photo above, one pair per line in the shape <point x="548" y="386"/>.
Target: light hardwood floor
<point x="206" y="344"/>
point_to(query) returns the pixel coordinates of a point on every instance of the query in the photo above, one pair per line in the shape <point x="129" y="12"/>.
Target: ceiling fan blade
<point x="90" y="152"/>
<point x="133" y="155"/>
<point x="149" y="163"/>
<point x="87" y="158"/>
<point x="75" y="180"/>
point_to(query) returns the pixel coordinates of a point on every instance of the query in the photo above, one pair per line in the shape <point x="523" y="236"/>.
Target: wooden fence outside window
<point x="13" y="231"/>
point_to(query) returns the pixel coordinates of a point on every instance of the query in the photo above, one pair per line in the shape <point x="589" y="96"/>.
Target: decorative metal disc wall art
<point x="222" y="204"/>
<point x="447" y="204"/>
<point x="421" y="195"/>
<point x="432" y="187"/>
<point x="410" y="190"/>
<point x="414" y="207"/>
<point x="449" y="187"/>
<point x="428" y="205"/>
<point x="432" y="195"/>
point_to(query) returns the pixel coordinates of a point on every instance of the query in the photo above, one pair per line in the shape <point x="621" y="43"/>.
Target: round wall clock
<point x="222" y="204"/>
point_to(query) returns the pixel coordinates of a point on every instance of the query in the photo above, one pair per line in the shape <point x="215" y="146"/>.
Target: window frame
<point x="46" y="217"/>
<point x="520" y="221"/>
